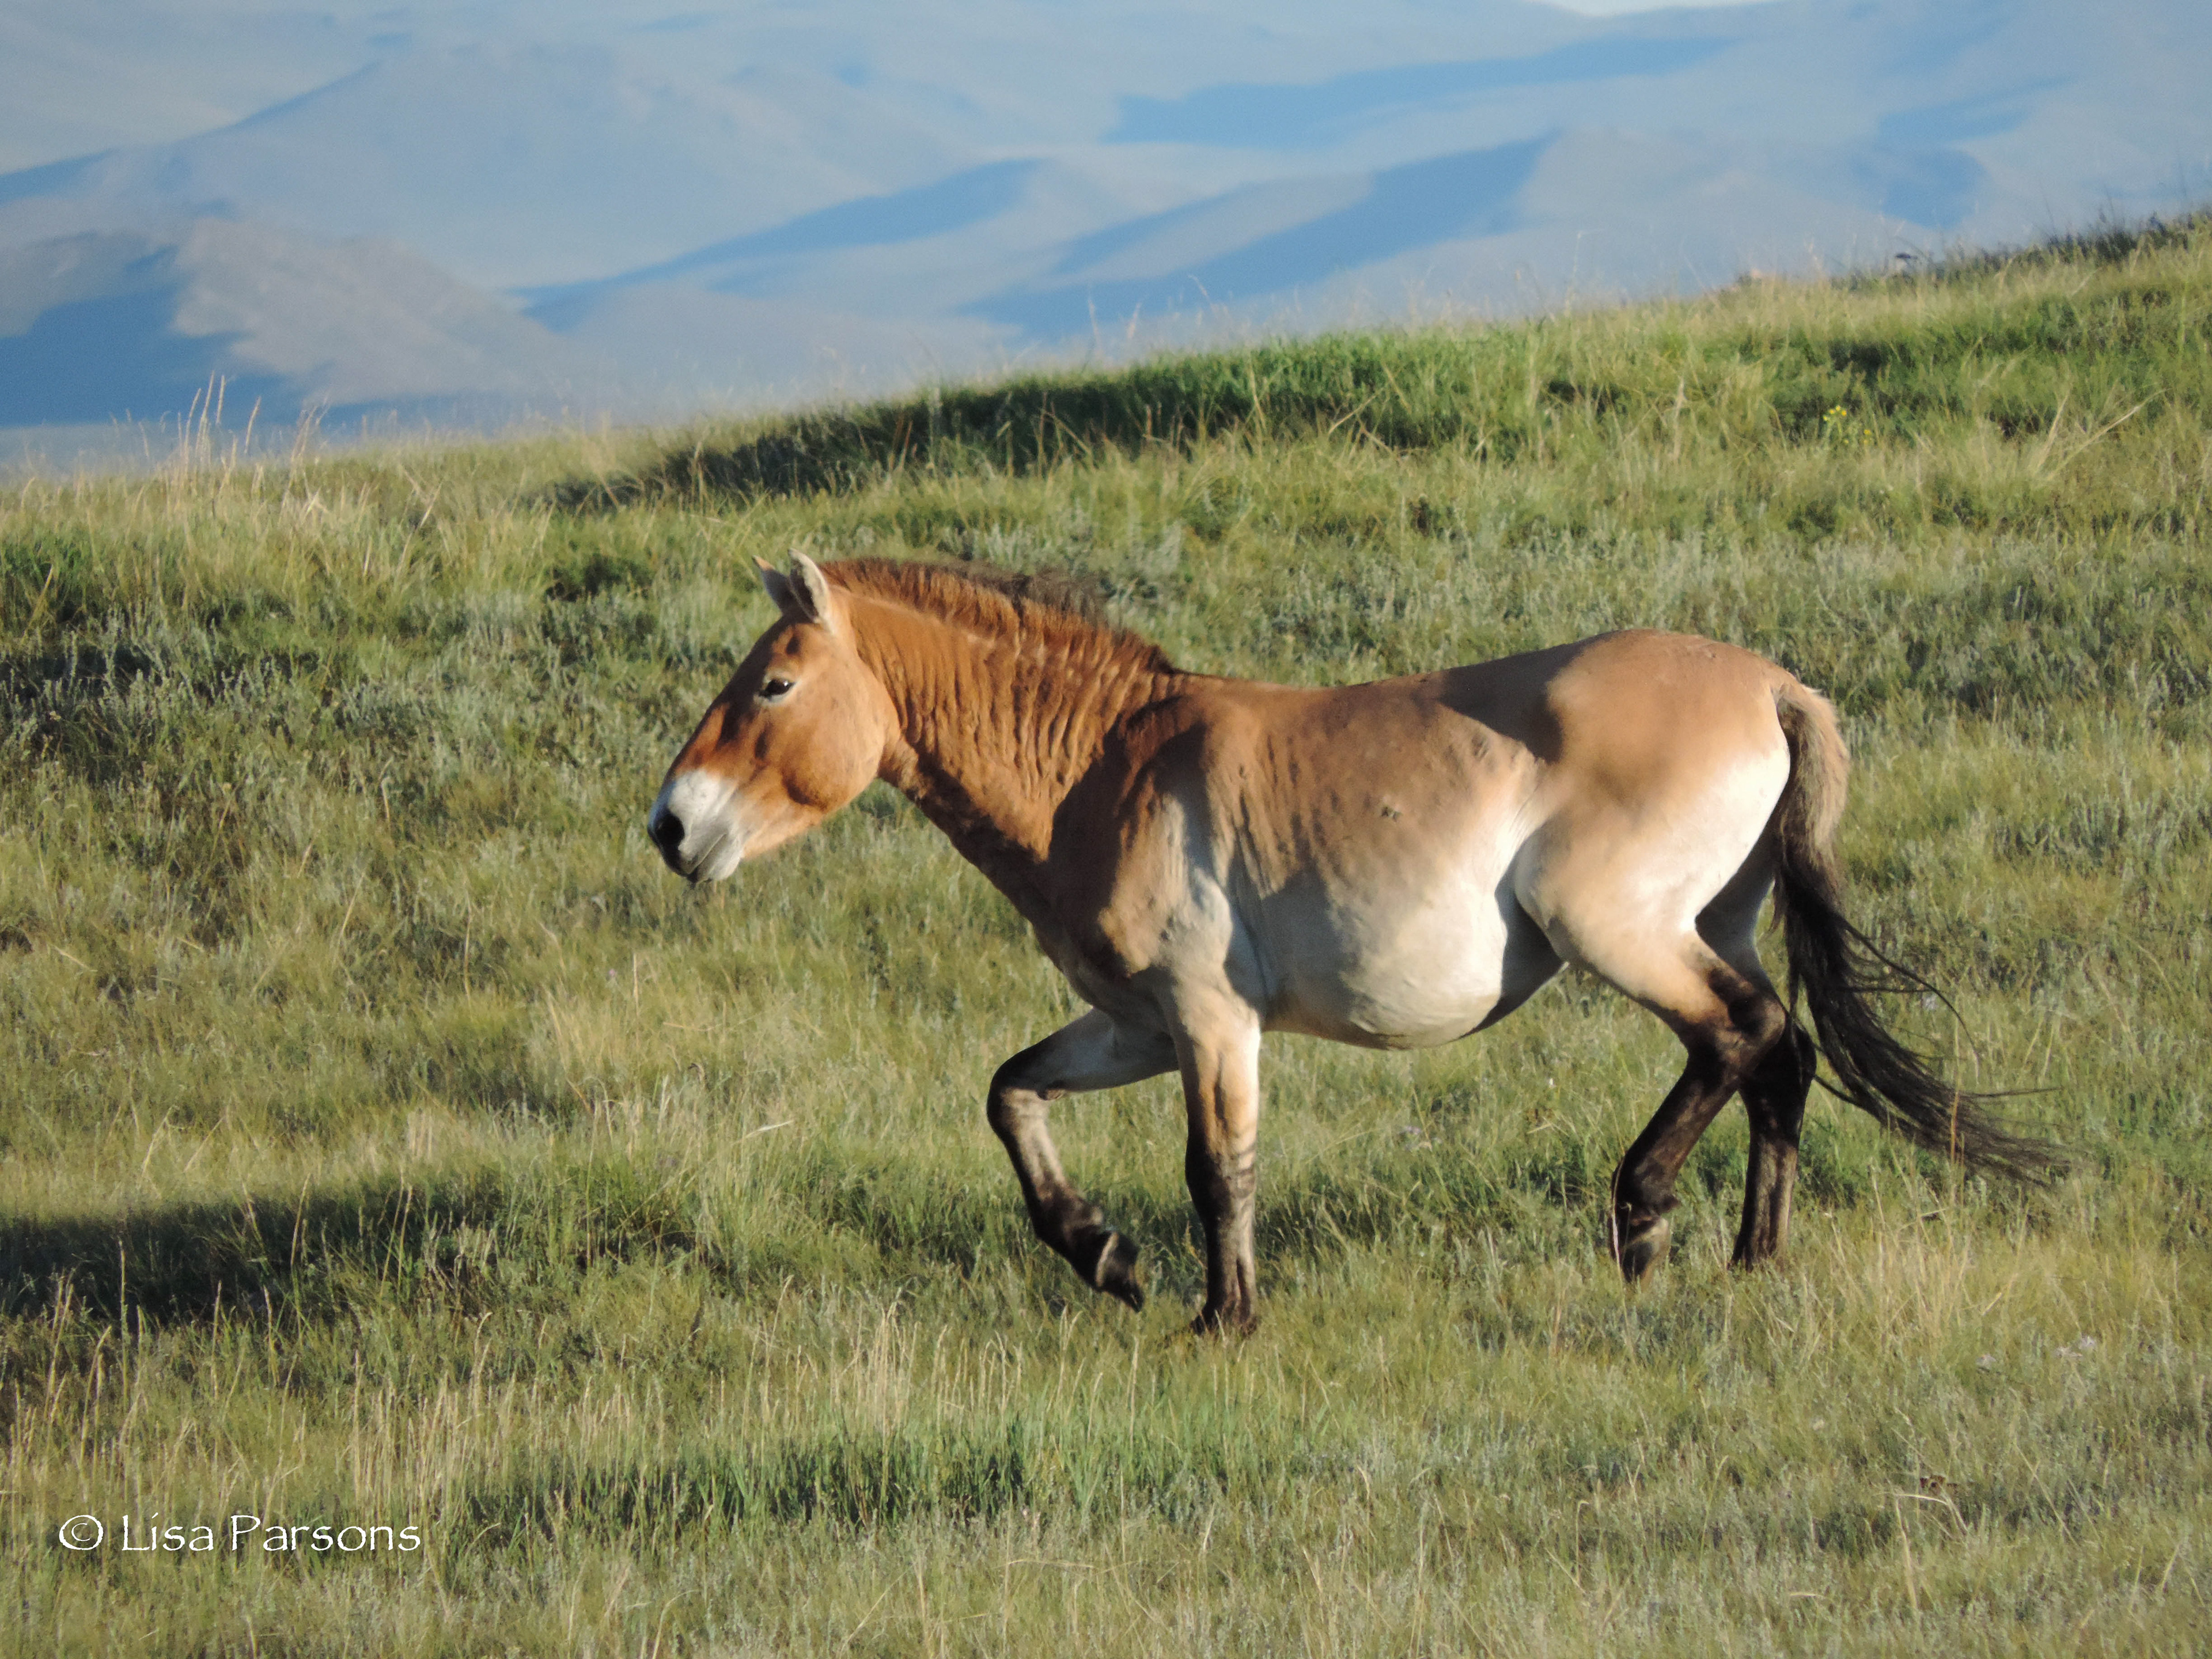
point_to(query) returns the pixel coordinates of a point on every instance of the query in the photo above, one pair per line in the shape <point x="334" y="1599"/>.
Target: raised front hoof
<point x="1113" y="1269"/>
<point x="1639" y="1245"/>
<point x="1224" y="1321"/>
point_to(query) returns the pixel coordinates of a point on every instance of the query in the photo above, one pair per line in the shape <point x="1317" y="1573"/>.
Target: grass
<point x="386" y="1139"/>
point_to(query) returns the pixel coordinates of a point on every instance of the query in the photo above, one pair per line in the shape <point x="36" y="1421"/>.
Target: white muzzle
<point x="696" y="824"/>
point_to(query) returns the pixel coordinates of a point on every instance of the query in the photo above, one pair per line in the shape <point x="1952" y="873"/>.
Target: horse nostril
<point x="666" y="830"/>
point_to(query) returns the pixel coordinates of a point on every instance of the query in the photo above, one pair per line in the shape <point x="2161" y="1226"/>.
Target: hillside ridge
<point x="2043" y="351"/>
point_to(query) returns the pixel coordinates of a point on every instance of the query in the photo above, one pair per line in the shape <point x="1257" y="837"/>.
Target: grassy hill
<point x="386" y="1139"/>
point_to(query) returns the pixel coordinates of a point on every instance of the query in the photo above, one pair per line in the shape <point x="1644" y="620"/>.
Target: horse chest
<point x="1095" y="963"/>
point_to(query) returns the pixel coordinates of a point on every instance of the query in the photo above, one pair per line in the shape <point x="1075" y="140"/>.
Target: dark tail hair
<point x="1838" y="970"/>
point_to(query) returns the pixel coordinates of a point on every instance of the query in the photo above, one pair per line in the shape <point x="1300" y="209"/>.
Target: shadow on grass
<point x="475" y="1234"/>
<point x="479" y="1236"/>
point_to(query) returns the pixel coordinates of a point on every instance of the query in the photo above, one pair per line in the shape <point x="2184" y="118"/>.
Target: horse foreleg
<point x="1221" y="1094"/>
<point x="1092" y="1053"/>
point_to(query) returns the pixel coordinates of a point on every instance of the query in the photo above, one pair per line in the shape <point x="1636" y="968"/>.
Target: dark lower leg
<point x="1060" y="1215"/>
<point x="1774" y="1096"/>
<point x="1091" y="1053"/>
<point x="1643" y="1185"/>
<point x="1223" y="1187"/>
<point x="1221" y="1100"/>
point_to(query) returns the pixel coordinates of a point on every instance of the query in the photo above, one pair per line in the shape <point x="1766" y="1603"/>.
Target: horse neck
<point x="995" y="731"/>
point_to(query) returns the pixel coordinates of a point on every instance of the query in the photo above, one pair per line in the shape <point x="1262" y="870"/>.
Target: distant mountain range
<point x="472" y="214"/>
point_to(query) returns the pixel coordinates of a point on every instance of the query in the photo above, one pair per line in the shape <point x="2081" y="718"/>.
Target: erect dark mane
<point x="1046" y="608"/>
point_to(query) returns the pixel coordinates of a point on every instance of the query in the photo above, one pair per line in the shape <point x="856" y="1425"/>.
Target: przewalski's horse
<point x="1394" y="865"/>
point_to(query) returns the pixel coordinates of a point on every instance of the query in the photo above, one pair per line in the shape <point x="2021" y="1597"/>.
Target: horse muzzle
<point x="695" y="824"/>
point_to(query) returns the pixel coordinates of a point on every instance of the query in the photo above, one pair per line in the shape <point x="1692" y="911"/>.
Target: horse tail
<point x="1838" y="970"/>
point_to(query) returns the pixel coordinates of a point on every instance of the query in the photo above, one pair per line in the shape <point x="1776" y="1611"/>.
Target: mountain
<point x="115" y="324"/>
<point x="505" y="163"/>
<point x="648" y="210"/>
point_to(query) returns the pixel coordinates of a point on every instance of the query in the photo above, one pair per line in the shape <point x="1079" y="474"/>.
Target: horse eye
<point x="772" y="690"/>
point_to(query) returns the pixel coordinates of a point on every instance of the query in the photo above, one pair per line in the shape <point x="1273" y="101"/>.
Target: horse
<point x="1394" y="865"/>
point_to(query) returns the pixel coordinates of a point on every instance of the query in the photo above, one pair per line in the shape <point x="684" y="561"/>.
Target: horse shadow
<point x="252" y="1257"/>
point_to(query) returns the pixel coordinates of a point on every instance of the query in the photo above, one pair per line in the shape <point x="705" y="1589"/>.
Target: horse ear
<point x="804" y="595"/>
<point x="779" y="588"/>
<point x="811" y="590"/>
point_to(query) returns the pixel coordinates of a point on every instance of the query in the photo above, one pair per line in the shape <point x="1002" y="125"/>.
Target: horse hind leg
<point x="1679" y="936"/>
<point x="1776" y="1085"/>
<point x="1774" y="1096"/>
<point x="1091" y="1053"/>
<point x="1727" y="1021"/>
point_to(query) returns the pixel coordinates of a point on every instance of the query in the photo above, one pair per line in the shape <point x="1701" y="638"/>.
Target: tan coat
<point x="1394" y="865"/>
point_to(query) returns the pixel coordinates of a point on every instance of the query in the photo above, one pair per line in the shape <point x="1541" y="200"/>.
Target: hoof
<point x="1753" y="1254"/>
<point x="1224" y="1321"/>
<point x="1639" y="1245"/>
<point x="1114" y="1270"/>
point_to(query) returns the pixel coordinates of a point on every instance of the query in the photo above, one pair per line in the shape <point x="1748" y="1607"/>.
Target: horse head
<point x="797" y="733"/>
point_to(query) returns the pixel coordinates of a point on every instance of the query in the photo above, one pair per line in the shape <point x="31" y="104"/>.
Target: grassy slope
<point x="386" y="1138"/>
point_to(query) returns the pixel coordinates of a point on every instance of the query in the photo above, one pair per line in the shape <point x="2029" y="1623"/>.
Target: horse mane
<point x="1045" y="610"/>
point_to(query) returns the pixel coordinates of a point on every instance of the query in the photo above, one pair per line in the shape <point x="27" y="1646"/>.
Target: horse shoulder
<point x="1134" y="848"/>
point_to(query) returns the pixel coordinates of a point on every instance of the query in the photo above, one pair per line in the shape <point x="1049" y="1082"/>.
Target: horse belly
<point x="1393" y="980"/>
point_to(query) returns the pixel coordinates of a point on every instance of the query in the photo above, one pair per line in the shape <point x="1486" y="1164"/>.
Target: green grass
<point x="386" y="1139"/>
